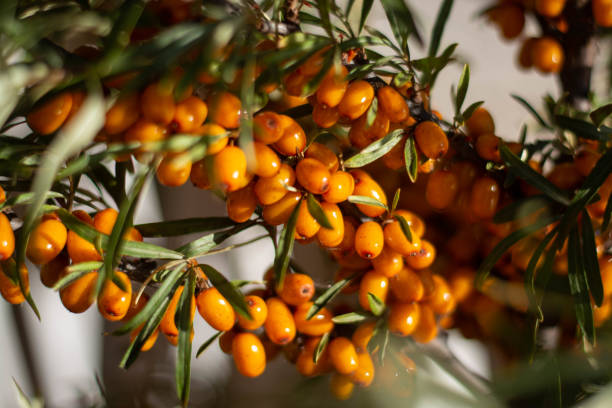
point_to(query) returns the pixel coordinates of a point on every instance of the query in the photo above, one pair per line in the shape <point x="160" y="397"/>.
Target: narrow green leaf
<point x="532" y="110"/>
<point x="324" y="7"/>
<point x="320" y="347"/>
<point x="22" y="398"/>
<point x="462" y="87"/>
<point x="411" y="159"/>
<point x="532" y="177"/>
<point x="600" y="114"/>
<point x="401" y="21"/>
<point x="183" y="226"/>
<point x="355" y="199"/>
<point x="207" y="343"/>
<point x="371" y="113"/>
<point x="350" y="318"/>
<point x="581" y="128"/>
<point x="404" y="226"/>
<point x="327" y="296"/>
<point x="579" y="286"/>
<point x="184" y="326"/>
<point x="469" y="111"/>
<point x="396" y="198"/>
<point x="607" y="213"/>
<point x="377" y="306"/>
<point x="520" y="208"/>
<point x="315" y="209"/>
<point x="284" y="249"/>
<point x="229" y="291"/>
<point x="365" y="11"/>
<point x="203" y="245"/>
<point x="26" y="198"/>
<point x="530" y="274"/>
<point x="589" y="256"/>
<point x="375" y="150"/>
<point x="438" y="28"/>
<point x="76" y="274"/>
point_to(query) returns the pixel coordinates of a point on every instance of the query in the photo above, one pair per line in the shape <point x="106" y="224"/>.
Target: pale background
<point x="70" y="349"/>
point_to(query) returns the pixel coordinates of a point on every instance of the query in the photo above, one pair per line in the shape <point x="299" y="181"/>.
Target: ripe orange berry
<point x="404" y="318"/>
<point x="324" y="155"/>
<point x="333" y="87"/>
<point x="484" y="197"/>
<point x="602" y="12"/>
<point x="424" y="257"/>
<point x="11" y="292"/>
<point x="174" y="170"/>
<point x="297" y="288"/>
<point x="524" y="58"/>
<point x="369" y="240"/>
<point x="79" y="249"/>
<point x="393" y="104"/>
<point x="7" y="238"/>
<point x="510" y="18"/>
<point x="226" y="340"/>
<point x="442" y="300"/>
<point x="364" y="375"/>
<point x="167" y="325"/>
<point x="189" y="114"/>
<point x="295" y="82"/>
<point x="48" y="116"/>
<point x="343" y="355"/>
<point x="2" y="195"/>
<point x="362" y="335"/>
<point x="356" y="99"/>
<point x="317" y="325"/>
<point x="215" y="309"/>
<point x="157" y="102"/>
<point x="230" y="167"/>
<point x="79" y="295"/>
<point x="104" y="221"/>
<point x="268" y="127"/>
<point x="51" y="271"/>
<point x="324" y="117"/>
<point x="426" y="329"/>
<point x="279" y="325"/>
<point x="442" y="187"/>
<point x="306" y="225"/>
<point x="565" y="176"/>
<point x="407" y="286"/>
<point x="241" y="204"/>
<point x="271" y="189"/>
<point x="388" y="263"/>
<point x="431" y="139"/>
<point x="549" y="8"/>
<point x="487" y="147"/>
<point x="605" y="268"/>
<point x="374" y="283"/>
<point x="46" y="241"/>
<point x="249" y="354"/>
<point x="368" y="187"/>
<point x="279" y="212"/>
<point x="341" y="186"/>
<point x="585" y="160"/>
<point x="331" y="238"/>
<point x="341" y="386"/>
<point x="461" y="283"/>
<point x="113" y="302"/>
<point x="394" y="159"/>
<point x="547" y="55"/>
<point x="265" y="162"/>
<point x="150" y="342"/>
<point x="224" y="109"/>
<point x="293" y="140"/>
<point x="213" y="132"/>
<point x="258" y="311"/>
<point x="145" y="131"/>
<point x="312" y="175"/>
<point x="123" y="114"/>
<point x="305" y="362"/>
<point x="397" y="240"/>
<point x="377" y="130"/>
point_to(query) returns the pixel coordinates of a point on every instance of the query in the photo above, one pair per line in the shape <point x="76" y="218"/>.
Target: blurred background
<point x="67" y="352"/>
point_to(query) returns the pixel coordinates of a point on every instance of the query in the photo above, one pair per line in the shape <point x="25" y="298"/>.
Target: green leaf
<point x="365" y="11"/>
<point x="520" y="208"/>
<point x="579" y="286"/>
<point x="600" y="114"/>
<point x="589" y="256"/>
<point x="582" y="128"/>
<point x="284" y="248"/>
<point x="371" y="113"/>
<point x="375" y="150"/>
<point x="320" y="347"/>
<point x="324" y="7"/>
<point x="396" y="198"/>
<point x="401" y="21"/>
<point x="464" y="82"/>
<point x="207" y="343"/>
<point x="404" y="226"/>
<point x="184" y="226"/>
<point x="315" y="209"/>
<point x="327" y="296"/>
<point x="26" y="198"/>
<point x="532" y="110"/>
<point x="229" y="291"/>
<point x="75" y="272"/>
<point x="469" y="111"/>
<point x="377" y="306"/>
<point x="184" y="326"/>
<point x="411" y="159"/>
<point x="438" y="28"/>
<point x="160" y="298"/>
<point x="356" y="199"/>
<point x="203" y="245"/>
<point x="532" y="177"/>
<point x="350" y="318"/>
<point x="607" y="213"/>
<point x="530" y="274"/>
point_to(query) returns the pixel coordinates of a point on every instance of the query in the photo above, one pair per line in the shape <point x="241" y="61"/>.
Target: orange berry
<point x="2" y="195"/>
<point x="404" y="318"/>
<point x="406" y="286"/>
<point x="11" y="292"/>
<point x="157" y="103"/>
<point x="487" y="147"/>
<point x="51" y="271"/>
<point x="549" y="8"/>
<point x="241" y="204"/>
<point x="215" y="309"/>
<point x="46" y="241"/>
<point x="388" y="263"/>
<point x="213" y="132"/>
<point x="394" y="159"/>
<point x="312" y="175"/>
<point x="145" y="131"/>
<point x="249" y="354"/>
<point x="466" y="173"/>
<point x="104" y="221"/>
<point x="431" y="139"/>
<point x="510" y="18"/>
<point x="323" y="154"/>
<point x="565" y="176"/>
<point x="149" y="343"/>
<point x="364" y="375"/>
<point x="324" y="117"/>
<point x="341" y="186"/>
<point x="374" y="283"/>
<point x="366" y="186"/>
<point x="224" y="109"/>
<point x="341" y="386"/>
<point x="79" y="295"/>
<point x="7" y="238"/>
<point x="333" y="87"/>
<point x="293" y="140"/>
<point x="393" y="104"/>
<point x="258" y="311"/>
<point x="442" y="187"/>
<point x="331" y="238"/>
<point x="269" y="190"/>
<point x="226" y="340"/>
<point x="297" y="288"/>
<point x="268" y="127"/>
<point x="167" y="325"/>
<point x="547" y="55"/>
<point x="441" y="301"/>
<point x="279" y="325"/>
<point x="369" y="240"/>
<point x="377" y="130"/>
<point x="123" y="114"/>
<point x="114" y="302"/>
<point x="264" y="162"/>
<point x="49" y="115"/>
<point x="362" y="335"/>
<point x="356" y="100"/>
<point x="174" y="170"/>
<point x="585" y="160"/>
<point x="279" y="212"/>
<point x="295" y="82"/>
<point x="306" y="225"/>
<point x="424" y="257"/>
<point x="602" y="12"/>
<point x="230" y="167"/>
<point x="605" y="268"/>
<point x="79" y="249"/>
<point x="343" y="355"/>
<point x="305" y="362"/>
<point x="524" y="58"/>
<point x="397" y="240"/>
<point x="461" y="283"/>
<point x="484" y="197"/>
<point x="317" y="325"/>
<point x="426" y="329"/>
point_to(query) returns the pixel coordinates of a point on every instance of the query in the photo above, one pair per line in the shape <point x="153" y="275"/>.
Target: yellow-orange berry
<point x="297" y="288"/>
<point x="404" y="318"/>
<point x="7" y="238"/>
<point x="343" y="355"/>
<point x="331" y="238"/>
<point x="213" y="133"/>
<point x="341" y="186"/>
<point x="396" y="239"/>
<point x="48" y="116"/>
<point x="11" y="292"/>
<point x="602" y="12"/>
<point x="356" y="99"/>
<point x="341" y="386"/>
<point x="487" y="147"/>
<point x="431" y="139"/>
<point x="46" y="241"/>
<point x="407" y="286"/>
<point x="368" y="187"/>
<point x="258" y="312"/>
<point x="424" y="257"/>
<point x="174" y="170"/>
<point x="123" y="114"/>
<point x="375" y="283"/>
<point x="510" y="18"/>
<point x="364" y="375"/>
<point x="271" y="189"/>
<point x="249" y="354"/>
<point x="549" y="8"/>
<point x="442" y="187"/>
<point x="324" y="117"/>
<point x="224" y="109"/>
<point x="241" y="204"/>
<point x="229" y="167"/>
<point x="323" y="154"/>
<point x="306" y="225"/>
<point x="389" y="262"/>
<point x="189" y="114"/>
<point x="279" y="212"/>
<point x="317" y="325"/>
<point x="313" y="175"/>
<point x="333" y="87"/>
<point x="51" y="271"/>
<point x="79" y="294"/>
<point x="393" y="104"/>
<point x="484" y="197"/>
<point x="547" y="55"/>
<point x="279" y="325"/>
<point x="293" y="140"/>
<point x="114" y="302"/>
<point x="215" y="309"/>
<point x="145" y="131"/>
<point x="305" y="362"/>
<point x="265" y="162"/>
<point x="104" y="221"/>
<point x="167" y="325"/>
<point x="524" y="58"/>
<point x="426" y="329"/>
<point x="157" y="102"/>
<point x="226" y="340"/>
<point x="268" y="127"/>
<point x="369" y="240"/>
<point x="79" y="249"/>
<point x="362" y="335"/>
